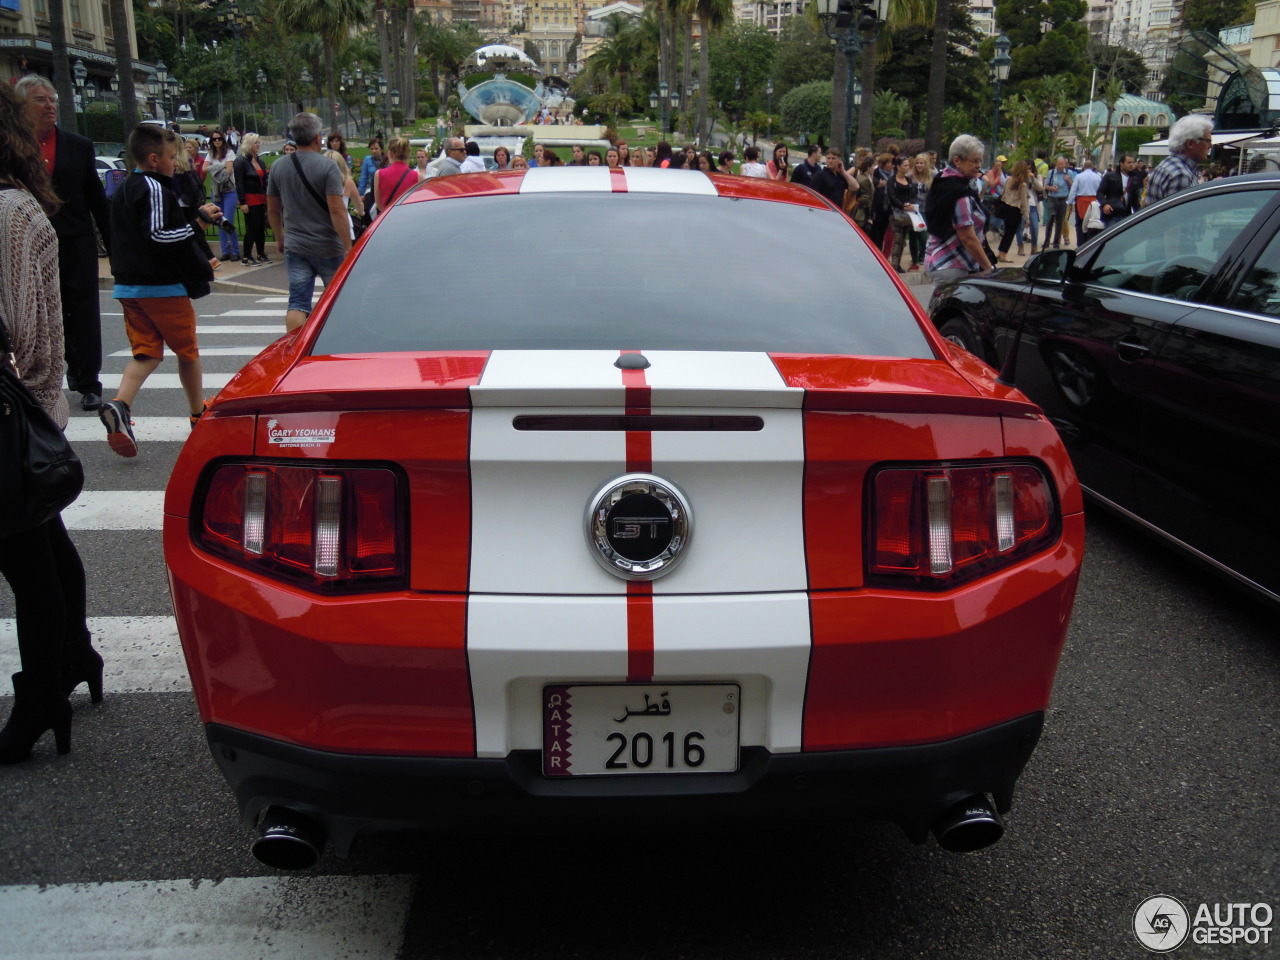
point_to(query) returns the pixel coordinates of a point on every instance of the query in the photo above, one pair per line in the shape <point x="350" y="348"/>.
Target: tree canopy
<point x="1040" y="52"/>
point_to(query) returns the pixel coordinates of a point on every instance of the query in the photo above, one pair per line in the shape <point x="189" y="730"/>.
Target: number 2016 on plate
<point x="627" y="729"/>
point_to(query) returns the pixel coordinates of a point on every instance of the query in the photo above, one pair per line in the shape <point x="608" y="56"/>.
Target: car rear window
<point x="583" y="271"/>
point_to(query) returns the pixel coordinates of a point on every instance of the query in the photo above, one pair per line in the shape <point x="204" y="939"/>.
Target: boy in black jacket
<point x="158" y="269"/>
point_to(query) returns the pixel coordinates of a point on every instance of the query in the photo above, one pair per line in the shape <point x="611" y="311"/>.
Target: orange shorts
<point x="155" y="322"/>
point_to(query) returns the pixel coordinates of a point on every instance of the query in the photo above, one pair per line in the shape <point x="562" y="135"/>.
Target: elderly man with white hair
<point x="1190" y="140"/>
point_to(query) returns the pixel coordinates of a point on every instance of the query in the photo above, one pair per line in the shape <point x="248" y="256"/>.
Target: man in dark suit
<point x="70" y="160"/>
<point x="1120" y="192"/>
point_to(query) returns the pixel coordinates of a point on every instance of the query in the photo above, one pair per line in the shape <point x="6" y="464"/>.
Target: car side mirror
<point x="1051" y="266"/>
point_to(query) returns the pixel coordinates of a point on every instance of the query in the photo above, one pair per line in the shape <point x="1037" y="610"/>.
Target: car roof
<point x="604" y="180"/>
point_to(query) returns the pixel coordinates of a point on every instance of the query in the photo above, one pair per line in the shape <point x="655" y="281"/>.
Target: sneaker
<point x="195" y="417"/>
<point x="264" y="260"/>
<point x="248" y="262"/>
<point x="913" y="267"/>
<point x="115" y="416"/>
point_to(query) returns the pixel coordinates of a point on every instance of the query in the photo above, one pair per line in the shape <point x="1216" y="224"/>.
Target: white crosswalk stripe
<point x="139" y="654"/>
<point x="281" y="918"/>
<point x="146" y="429"/>
<point x="251" y="351"/>
<point x="216" y="912"/>
<point x="166" y="381"/>
<point x="207" y="328"/>
<point x="116" y="510"/>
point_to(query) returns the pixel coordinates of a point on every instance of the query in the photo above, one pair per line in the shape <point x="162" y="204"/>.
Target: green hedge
<point x="104" y="126"/>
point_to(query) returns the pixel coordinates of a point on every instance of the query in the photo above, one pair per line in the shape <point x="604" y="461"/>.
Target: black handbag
<point x="39" y="472"/>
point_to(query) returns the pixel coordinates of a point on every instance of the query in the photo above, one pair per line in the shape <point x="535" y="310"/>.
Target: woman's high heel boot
<point x="84" y="666"/>
<point x="37" y="707"/>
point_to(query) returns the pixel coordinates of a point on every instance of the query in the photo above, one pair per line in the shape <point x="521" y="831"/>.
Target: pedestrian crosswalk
<point x="226" y="910"/>
<point x="139" y="654"/>
<point x="282" y="918"/>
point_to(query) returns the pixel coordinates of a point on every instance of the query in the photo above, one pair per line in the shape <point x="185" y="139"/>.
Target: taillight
<point x="936" y="525"/>
<point x="326" y="527"/>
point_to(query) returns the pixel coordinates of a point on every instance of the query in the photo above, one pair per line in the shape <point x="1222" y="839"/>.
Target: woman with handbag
<point x="37" y="559"/>
<point x="921" y="180"/>
<point x="396" y="178"/>
<point x="222" y="160"/>
<point x="901" y="202"/>
<point x="1014" y="207"/>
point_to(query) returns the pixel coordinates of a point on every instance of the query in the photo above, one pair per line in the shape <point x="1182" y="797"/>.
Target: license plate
<point x="592" y="730"/>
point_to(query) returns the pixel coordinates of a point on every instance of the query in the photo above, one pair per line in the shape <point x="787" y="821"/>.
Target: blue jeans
<point x="230" y="239"/>
<point x="1033" y="227"/>
<point x="303" y="270"/>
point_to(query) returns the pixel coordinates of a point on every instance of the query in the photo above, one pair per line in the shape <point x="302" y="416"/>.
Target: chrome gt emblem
<point x="639" y="526"/>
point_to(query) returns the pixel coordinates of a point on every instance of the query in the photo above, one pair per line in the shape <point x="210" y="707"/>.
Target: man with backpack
<point x="308" y="215"/>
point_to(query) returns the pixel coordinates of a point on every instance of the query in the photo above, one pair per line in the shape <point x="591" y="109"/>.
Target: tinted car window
<point x="1260" y="291"/>
<point x="589" y="271"/>
<point x="1173" y="252"/>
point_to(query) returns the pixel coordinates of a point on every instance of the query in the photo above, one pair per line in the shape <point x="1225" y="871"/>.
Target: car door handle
<point x="1131" y="350"/>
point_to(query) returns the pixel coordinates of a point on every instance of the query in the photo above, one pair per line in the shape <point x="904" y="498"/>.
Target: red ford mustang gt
<point x="624" y="493"/>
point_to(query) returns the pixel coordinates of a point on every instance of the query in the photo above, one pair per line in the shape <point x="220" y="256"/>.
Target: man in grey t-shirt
<point x="318" y="237"/>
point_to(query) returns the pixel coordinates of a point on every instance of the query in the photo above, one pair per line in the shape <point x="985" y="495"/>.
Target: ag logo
<point x="1161" y="923"/>
<point x="638" y="526"/>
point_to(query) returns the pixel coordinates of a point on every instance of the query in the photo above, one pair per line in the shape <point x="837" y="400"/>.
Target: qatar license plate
<point x="592" y="730"/>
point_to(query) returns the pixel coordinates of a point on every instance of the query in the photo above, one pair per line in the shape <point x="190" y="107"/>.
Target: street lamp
<point x="664" y="93"/>
<point x="371" y="94"/>
<point x="79" y="71"/>
<point x="382" y="92"/>
<point x="1000" y="65"/>
<point x="1051" y="119"/>
<point x="153" y="89"/>
<point x="768" y="92"/>
<point x="853" y="26"/>
<point x="395" y="103"/>
<point x="237" y="21"/>
<point x="171" y="88"/>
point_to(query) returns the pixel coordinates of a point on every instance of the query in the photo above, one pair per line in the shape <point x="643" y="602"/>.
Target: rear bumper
<point x="355" y="795"/>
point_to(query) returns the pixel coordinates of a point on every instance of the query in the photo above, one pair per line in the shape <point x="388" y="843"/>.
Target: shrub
<point x="806" y="109"/>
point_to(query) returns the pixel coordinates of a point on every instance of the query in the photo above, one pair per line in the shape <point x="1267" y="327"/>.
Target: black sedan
<point x="1155" y="350"/>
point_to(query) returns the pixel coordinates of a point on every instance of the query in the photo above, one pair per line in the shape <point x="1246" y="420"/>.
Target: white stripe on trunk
<point x="116" y="510"/>
<point x="280" y="918"/>
<point x="139" y="654"/>
<point x="517" y="644"/>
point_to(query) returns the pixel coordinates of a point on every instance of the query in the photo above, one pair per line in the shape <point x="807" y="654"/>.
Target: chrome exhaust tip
<point x="970" y="825"/>
<point x="288" y="840"/>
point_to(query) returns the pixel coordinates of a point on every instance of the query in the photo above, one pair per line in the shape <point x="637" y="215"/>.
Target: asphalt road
<point x="1157" y="774"/>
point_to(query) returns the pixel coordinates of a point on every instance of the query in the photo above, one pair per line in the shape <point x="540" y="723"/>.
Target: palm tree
<point x="333" y="20"/>
<point x="935" y="102"/>
<point x="124" y="62"/>
<point x="1112" y="91"/>
<point x="899" y="14"/>
<point x="712" y="15"/>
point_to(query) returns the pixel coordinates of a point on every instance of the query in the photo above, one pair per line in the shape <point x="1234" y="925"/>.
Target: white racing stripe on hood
<point x="589" y="377"/>
<point x="566" y="180"/>
<point x="657" y="180"/>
